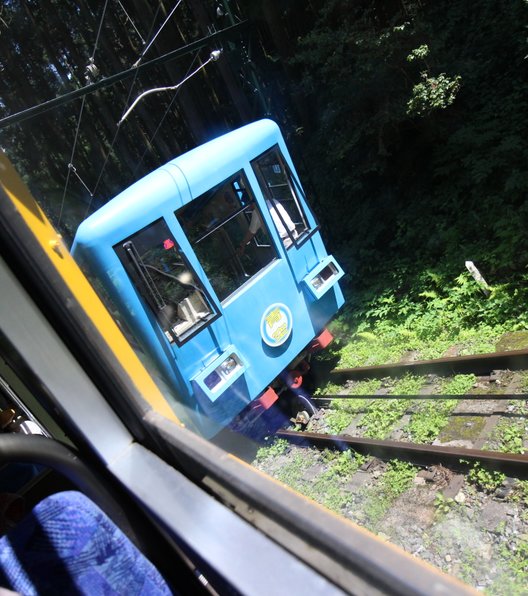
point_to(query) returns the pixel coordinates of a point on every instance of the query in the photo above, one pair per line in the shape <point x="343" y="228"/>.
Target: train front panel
<point x="216" y="265"/>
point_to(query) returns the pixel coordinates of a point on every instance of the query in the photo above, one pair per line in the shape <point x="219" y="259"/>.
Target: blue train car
<point x="216" y="265"/>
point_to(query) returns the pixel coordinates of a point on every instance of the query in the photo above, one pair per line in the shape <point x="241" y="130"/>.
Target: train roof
<point x="176" y="183"/>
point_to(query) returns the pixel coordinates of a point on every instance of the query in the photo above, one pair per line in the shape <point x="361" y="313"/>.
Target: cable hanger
<point x="150" y="141"/>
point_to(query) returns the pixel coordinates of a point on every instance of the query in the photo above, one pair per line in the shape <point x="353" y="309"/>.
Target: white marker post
<point x="478" y="278"/>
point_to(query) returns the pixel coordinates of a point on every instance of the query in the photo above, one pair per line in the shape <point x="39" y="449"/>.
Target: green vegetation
<point x="443" y="504"/>
<point x="319" y="476"/>
<point x="278" y="447"/>
<point x="525" y="382"/>
<point x="396" y="480"/>
<point x="514" y="562"/>
<point x="343" y="411"/>
<point x="458" y="385"/>
<point x="486" y="480"/>
<point x="430" y="416"/>
<point x="382" y="415"/>
<point x="429" y="419"/>
<point x="371" y="335"/>
<point x="508" y="436"/>
<point x="328" y="489"/>
<point x="520" y="494"/>
<point x="417" y="154"/>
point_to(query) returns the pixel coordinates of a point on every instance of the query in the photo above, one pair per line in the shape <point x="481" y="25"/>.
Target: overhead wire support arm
<point x="120" y="76"/>
<point x="214" y="56"/>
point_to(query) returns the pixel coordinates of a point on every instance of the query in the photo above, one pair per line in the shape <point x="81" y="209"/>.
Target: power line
<point x="132" y="22"/>
<point x="120" y="76"/>
<point x="157" y="33"/>
<point x="71" y="167"/>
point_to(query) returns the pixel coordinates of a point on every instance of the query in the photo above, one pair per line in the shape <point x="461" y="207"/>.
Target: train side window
<point x="166" y="281"/>
<point x="281" y="192"/>
<point x="216" y="223"/>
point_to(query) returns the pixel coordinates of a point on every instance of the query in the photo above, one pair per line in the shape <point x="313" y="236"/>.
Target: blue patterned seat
<point x="67" y="545"/>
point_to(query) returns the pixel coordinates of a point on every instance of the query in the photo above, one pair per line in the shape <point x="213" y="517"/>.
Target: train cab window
<point x="165" y="281"/>
<point x="217" y="224"/>
<point x="281" y="192"/>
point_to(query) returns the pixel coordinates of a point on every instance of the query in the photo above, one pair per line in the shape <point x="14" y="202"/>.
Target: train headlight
<point x="229" y="365"/>
<point x="317" y="282"/>
<point x="323" y="277"/>
<point x="221" y="373"/>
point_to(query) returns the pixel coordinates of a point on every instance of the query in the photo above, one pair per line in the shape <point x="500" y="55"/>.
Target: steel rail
<point x="511" y="464"/>
<point x="479" y="364"/>
<point x="441" y="397"/>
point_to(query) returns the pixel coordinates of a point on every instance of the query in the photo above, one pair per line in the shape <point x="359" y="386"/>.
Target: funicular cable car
<point x="217" y="267"/>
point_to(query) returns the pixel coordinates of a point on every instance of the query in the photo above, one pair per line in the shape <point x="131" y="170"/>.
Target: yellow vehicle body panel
<point x="58" y="254"/>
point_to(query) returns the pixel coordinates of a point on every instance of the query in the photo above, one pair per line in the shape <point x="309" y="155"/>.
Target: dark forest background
<point x="407" y="119"/>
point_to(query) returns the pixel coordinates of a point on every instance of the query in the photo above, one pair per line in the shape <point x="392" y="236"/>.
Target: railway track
<point x="487" y="366"/>
<point x="466" y="482"/>
<point x="458" y="458"/>
<point x="480" y="364"/>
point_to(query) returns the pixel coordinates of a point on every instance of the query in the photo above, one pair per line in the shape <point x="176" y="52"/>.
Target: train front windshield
<point x="155" y="264"/>
<point x="216" y="224"/>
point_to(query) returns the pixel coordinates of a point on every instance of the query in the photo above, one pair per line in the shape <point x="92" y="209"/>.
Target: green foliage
<point x="443" y="504"/>
<point x="326" y="487"/>
<point x="408" y="385"/>
<point x="458" y="385"/>
<point x="435" y="190"/>
<point x="487" y="480"/>
<point x="508" y="436"/>
<point x="426" y="312"/>
<point x="396" y="480"/>
<point x="433" y="93"/>
<point x="381" y="416"/>
<point x="418" y="53"/>
<point x="343" y="411"/>
<point x="520" y="492"/>
<point x="514" y="562"/>
<point x="429" y="419"/>
<point x="338" y="420"/>
<point x="278" y="447"/>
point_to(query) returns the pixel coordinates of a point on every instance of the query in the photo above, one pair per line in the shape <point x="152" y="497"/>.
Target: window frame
<point x="142" y="293"/>
<point x="251" y="200"/>
<point x="297" y="192"/>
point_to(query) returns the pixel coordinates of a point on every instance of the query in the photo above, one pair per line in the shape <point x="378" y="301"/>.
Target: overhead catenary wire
<point x="108" y="153"/>
<point x="79" y="118"/>
<point x="112" y="143"/>
<point x="99" y="30"/>
<point x="213" y="57"/>
<point x="145" y="50"/>
<point x="131" y="22"/>
<point x="51" y="104"/>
